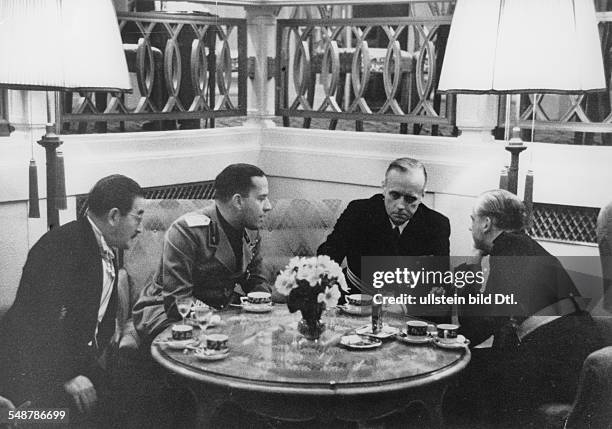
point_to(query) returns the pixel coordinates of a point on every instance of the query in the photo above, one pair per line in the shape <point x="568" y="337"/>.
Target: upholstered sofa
<point x="294" y="227"/>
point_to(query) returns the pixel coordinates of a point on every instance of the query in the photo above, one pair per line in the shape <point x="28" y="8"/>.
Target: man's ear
<point x="113" y="216"/>
<point x="487" y="224"/>
<point x="236" y="201"/>
<point x="383" y="183"/>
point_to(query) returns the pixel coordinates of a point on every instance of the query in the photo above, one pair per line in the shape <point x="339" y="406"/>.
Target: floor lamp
<point x="60" y="45"/>
<point x="522" y="47"/>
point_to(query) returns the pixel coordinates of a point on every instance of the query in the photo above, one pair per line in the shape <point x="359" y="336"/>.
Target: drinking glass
<point x="202" y="315"/>
<point x="184" y="306"/>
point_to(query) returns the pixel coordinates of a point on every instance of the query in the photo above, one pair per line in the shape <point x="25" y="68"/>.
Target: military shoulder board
<point x="197" y="219"/>
<point x="213" y="234"/>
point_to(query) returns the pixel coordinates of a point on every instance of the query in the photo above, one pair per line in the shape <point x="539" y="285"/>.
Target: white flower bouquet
<point x="311" y="284"/>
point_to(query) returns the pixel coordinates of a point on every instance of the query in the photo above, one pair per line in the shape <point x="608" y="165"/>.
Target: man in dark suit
<point x="540" y="341"/>
<point x="394" y="223"/>
<point x="63" y="316"/>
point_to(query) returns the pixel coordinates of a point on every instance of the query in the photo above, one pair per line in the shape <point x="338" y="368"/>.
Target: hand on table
<point x="5" y="406"/>
<point x="82" y="391"/>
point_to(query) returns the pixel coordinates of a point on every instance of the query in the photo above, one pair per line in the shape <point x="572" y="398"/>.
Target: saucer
<point x="257" y="308"/>
<point x="210" y="355"/>
<point x="178" y="344"/>
<point x="410" y="339"/>
<point x="213" y="321"/>
<point x="459" y="343"/>
<point x="355" y="310"/>
<point x="386" y="332"/>
<point x="359" y="342"/>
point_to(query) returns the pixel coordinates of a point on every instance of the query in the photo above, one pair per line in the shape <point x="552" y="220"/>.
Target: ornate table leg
<point x="433" y="405"/>
<point x="206" y="407"/>
<point x="207" y="402"/>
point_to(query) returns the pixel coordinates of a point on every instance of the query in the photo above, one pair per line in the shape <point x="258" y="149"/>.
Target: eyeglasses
<point x="136" y="216"/>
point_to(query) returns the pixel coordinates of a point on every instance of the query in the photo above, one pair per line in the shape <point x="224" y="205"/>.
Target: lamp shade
<point x="61" y="45"/>
<point x="528" y="46"/>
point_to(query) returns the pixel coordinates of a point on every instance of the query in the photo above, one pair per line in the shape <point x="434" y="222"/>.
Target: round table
<point x="273" y="371"/>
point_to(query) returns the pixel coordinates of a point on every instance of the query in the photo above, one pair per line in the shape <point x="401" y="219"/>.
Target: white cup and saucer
<point x="257" y="302"/>
<point x="358" y="304"/>
<point x="448" y="337"/>
<point x="216" y="348"/>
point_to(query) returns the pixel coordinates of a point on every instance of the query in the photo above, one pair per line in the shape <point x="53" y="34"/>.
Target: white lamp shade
<point x="61" y="45"/>
<point x="530" y="46"/>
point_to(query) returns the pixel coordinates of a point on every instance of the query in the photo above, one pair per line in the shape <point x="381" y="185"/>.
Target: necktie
<point x="396" y="232"/>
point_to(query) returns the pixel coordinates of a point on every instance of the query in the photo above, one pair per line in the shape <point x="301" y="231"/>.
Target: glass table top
<point x="266" y="347"/>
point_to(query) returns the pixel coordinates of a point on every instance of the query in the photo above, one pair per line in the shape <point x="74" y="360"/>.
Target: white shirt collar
<point x="105" y="249"/>
<point x="401" y="227"/>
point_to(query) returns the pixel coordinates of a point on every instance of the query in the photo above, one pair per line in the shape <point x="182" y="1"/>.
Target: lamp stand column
<point x="476" y="116"/>
<point x="50" y="141"/>
<point x="515" y="150"/>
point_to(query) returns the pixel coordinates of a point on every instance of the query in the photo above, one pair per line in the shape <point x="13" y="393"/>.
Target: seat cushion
<point x="296" y="227"/>
<point x="142" y="259"/>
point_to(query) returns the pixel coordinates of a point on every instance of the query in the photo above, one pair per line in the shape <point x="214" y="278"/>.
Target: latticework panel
<point x="564" y="223"/>
<point x="183" y="191"/>
<point x="550" y="221"/>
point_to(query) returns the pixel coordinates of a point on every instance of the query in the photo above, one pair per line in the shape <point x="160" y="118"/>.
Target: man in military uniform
<point x="212" y="254"/>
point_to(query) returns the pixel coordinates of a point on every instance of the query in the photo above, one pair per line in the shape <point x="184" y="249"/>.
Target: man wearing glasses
<point x="63" y="316"/>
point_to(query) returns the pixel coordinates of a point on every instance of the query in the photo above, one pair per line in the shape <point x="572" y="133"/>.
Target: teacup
<point x="447" y="332"/>
<point x="182" y="332"/>
<point x="216" y="342"/>
<point x="416" y="328"/>
<point x="256" y="298"/>
<point x="359" y="299"/>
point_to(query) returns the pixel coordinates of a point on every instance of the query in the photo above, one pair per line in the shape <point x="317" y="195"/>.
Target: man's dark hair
<point x="113" y="191"/>
<point x="236" y="179"/>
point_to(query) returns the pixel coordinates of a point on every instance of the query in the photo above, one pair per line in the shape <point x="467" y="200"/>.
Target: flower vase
<point x="310" y="328"/>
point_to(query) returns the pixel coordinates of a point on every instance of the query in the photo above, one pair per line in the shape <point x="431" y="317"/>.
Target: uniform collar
<point x="224" y="252"/>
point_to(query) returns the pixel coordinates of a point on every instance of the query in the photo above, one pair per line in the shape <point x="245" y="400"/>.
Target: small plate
<point x="354" y="310"/>
<point x="178" y="344"/>
<point x="386" y="332"/>
<point x="358" y="342"/>
<point x="257" y="308"/>
<point x="458" y="344"/>
<point x="210" y="355"/>
<point x="423" y="339"/>
<point x="213" y="321"/>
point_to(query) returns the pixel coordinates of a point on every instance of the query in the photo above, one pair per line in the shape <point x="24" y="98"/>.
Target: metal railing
<point x="185" y="67"/>
<point x="572" y="118"/>
<point x="374" y="69"/>
<point x="192" y="68"/>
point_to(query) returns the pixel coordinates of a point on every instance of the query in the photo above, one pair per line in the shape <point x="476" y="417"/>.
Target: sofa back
<point x="294" y="227"/>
